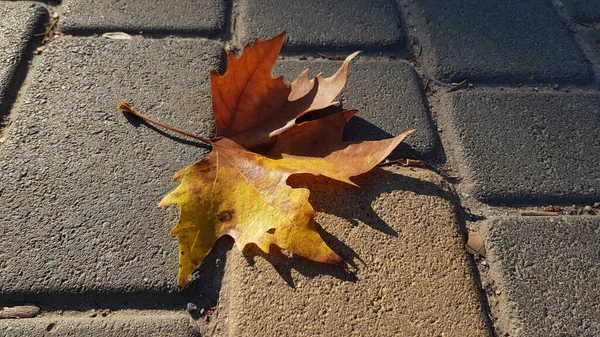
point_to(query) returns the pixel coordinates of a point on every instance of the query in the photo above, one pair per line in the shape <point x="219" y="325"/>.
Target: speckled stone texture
<point x="323" y="25"/>
<point x="526" y="147"/>
<point x="509" y="41"/>
<point x="546" y="272"/>
<point x="193" y="17"/>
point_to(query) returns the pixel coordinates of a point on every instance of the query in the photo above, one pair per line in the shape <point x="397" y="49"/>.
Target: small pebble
<point x="191" y="308"/>
<point x="555" y="86"/>
<point x="497" y="292"/>
<point x="55" y="16"/>
<point x="597" y="205"/>
<point x="588" y="209"/>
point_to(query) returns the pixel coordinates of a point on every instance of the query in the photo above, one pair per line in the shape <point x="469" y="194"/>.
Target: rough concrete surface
<point x="81" y="184"/>
<point x="546" y="272"/>
<point x="197" y="17"/>
<point x="388" y="97"/>
<point x="526" y="147"/>
<point x="510" y="41"/>
<point x="409" y="274"/>
<point x="18" y="24"/>
<point x="323" y="25"/>
<point x="586" y="11"/>
<point x="119" y="324"/>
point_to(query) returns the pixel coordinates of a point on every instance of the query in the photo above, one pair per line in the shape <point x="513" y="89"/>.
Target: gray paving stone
<point x="547" y="271"/>
<point x="583" y="10"/>
<point x="80" y="184"/>
<point x="323" y="25"/>
<point x="510" y="41"/>
<point x="197" y="17"/>
<point x="116" y="324"/>
<point x="17" y="26"/>
<point x="388" y="97"/>
<point x="534" y="147"/>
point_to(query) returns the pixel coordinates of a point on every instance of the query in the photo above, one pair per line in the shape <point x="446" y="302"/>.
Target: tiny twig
<point x="331" y="57"/>
<point x="404" y="163"/>
<point x="458" y="86"/>
<point x="50" y="29"/>
<point x="126" y="107"/>
<point x="584" y="24"/>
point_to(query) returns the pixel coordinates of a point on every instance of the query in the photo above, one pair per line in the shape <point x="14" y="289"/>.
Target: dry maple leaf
<point x="250" y="107"/>
<point x="240" y="189"/>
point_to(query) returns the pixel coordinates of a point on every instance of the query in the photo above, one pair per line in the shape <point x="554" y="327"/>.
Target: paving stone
<point x="197" y="17"/>
<point x="81" y="184"/>
<point x="533" y="147"/>
<point x="583" y="10"/>
<point x="546" y="271"/>
<point x="116" y="324"/>
<point x="18" y="24"/>
<point x="388" y="97"/>
<point x="323" y="25"/>
<point x="409" y="274"/>
<point x="510" y="41"/>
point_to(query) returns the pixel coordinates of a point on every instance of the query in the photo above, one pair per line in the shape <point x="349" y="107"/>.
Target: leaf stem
<point x="126" y="107"/>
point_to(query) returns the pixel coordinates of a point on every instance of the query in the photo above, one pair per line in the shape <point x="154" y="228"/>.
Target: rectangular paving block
<point x="545" y="272"/>
<point x="124" y="324"/>
<point x="526" y="147"/>
<point x="388" y="97"/>
<point x="197" y="17"/>
<point x="18" y="24"/>
<point x="81" y="183"/>
<point x="509" y="41"/>
<point x="587" y="11"/>
<point x="323" y="25"/>
<point x="408" y="272"/>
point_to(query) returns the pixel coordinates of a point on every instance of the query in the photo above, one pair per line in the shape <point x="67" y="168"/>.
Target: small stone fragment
<point x="21" y="311"/>
<point x="116" y="36"/>
<point x="191" y="308"/>
<point x="596" y="205"/>
<point x="588" y="209"/>
<point x="475" y="244"/>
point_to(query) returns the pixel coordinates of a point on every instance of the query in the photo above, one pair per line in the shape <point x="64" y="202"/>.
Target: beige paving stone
<point x="408" y="276"/>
